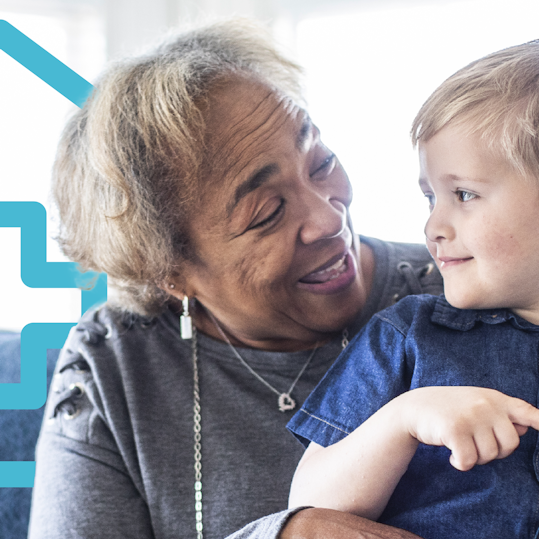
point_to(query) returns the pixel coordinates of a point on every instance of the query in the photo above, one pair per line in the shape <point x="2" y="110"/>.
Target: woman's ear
<point x="180" y="292"/>
<point x="177" y="287"/>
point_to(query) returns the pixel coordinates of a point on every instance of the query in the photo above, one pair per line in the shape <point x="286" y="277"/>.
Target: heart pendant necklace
<point x="285" y="401"/>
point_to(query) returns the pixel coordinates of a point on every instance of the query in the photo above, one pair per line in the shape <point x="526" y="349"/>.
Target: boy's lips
<point x="338" y="273"/>
<point x="447" y="261"/>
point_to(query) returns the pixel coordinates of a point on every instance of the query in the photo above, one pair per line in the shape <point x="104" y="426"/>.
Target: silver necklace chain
<point x="197" y="410"/>
<point x="285" y="401"/>
<point x="197" y="438"/>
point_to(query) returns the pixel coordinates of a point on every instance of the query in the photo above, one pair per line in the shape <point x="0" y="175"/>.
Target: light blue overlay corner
<point x="43" y="64"/>
<point x="36" y="272"/>
<point x="17" y="474"/>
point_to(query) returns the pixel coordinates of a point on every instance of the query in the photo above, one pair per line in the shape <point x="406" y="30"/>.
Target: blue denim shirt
<point x="423" y="341"/>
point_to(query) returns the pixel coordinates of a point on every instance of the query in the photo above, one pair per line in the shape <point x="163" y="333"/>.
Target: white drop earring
<point x="186" y="324"/>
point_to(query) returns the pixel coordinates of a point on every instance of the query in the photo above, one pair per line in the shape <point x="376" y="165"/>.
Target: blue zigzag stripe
<point x="36" y="272"/>
<point x="43" y="64"/>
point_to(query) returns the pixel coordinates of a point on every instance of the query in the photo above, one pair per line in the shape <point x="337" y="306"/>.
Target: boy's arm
<point x="359" y="473"/>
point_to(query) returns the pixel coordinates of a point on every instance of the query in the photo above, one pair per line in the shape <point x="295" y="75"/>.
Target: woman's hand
<point x="477" y="424"/>
<point x="330" y="524"/>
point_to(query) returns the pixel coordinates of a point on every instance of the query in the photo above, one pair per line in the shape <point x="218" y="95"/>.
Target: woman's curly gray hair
<point x="129" y="163"/>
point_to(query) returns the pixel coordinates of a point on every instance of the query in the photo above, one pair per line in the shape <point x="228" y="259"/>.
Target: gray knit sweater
<point x="115" y="455"/>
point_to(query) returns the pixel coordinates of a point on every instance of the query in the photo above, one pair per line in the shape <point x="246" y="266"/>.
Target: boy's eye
<point x="432" y="200"/>
<point x="465" y="196"/>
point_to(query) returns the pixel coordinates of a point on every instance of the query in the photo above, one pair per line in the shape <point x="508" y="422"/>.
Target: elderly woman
<point x="196" y="180"/>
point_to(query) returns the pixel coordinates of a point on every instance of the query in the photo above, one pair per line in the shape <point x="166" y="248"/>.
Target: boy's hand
<point x="477" y="424"/>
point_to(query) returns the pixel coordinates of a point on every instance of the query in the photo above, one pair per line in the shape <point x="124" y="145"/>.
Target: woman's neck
<point x="207" y="325"/>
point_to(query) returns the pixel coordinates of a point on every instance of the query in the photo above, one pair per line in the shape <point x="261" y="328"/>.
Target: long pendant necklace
<point x="285" y="401"/>
<point x="197" y="427"/>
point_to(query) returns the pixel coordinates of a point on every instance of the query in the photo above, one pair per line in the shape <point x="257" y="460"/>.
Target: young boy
<point x="433" y="381"/>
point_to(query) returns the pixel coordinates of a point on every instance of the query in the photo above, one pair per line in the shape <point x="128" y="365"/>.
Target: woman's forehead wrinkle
<point x="229" y="145"/>
<point x="255" y="137"/>
<point x="247" y="143"/>
<point x="260" y="176"/>
<point x="248" y="130"/>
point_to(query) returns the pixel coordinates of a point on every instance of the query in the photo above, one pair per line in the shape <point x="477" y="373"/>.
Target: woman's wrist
<point x="315" y="523"/>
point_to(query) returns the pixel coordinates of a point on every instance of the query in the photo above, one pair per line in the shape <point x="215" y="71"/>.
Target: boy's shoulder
<point x="412" y="309"/>
<point x="436" y="310"/>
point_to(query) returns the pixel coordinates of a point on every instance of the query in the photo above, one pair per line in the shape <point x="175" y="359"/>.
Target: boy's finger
<point x="521" y="429"/>
<point x="486" y="444"/>
<point x="507" y="437"/>
<point x="463" y="454"/>
<point x="523" y="413"/>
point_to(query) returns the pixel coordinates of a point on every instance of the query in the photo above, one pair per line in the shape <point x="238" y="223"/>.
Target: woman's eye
<point x="465" y="196"/>
<point x="270" y="218"/>
<point x="325" y="167"/>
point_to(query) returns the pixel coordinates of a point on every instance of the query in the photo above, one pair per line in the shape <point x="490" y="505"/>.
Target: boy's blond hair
<point x="496" y="96"/>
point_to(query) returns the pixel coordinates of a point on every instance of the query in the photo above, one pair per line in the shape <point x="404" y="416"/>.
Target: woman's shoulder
<point x="407" y="266"/>
<point x="110" y="327"/>
<point x="400" y="269"/>
<point x="118" y="349"/>
<point x="415" y="254"/>
<point x="111" y="362"/>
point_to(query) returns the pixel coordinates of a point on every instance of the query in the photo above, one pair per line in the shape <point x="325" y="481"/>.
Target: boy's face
<point x="483" y="231"/>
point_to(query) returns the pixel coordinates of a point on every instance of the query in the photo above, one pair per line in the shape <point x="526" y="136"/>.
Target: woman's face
<point x="276" y="258"/>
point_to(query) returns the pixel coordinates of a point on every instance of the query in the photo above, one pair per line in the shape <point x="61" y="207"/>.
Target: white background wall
<point x="370" y="64"/>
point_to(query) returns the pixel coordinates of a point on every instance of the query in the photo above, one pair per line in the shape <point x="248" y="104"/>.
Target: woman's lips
<point x="333" y="277"/>
<point x="327" y="273"/>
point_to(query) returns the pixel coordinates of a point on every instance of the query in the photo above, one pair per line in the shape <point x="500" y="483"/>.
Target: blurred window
<point x="369" y="73"/>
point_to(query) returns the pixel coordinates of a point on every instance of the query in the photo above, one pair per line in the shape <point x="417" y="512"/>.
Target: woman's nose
<point x="326" y="218"/>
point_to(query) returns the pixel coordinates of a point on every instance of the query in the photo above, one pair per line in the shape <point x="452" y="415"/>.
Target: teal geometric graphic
<point x="43" y="64"/>
<point x="17" y="474"/>
<point x="36" y="272"/>
<point x="31" y="392"/>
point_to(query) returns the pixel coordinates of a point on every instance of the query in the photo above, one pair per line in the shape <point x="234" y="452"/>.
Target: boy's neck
<point x="531" y="315"/>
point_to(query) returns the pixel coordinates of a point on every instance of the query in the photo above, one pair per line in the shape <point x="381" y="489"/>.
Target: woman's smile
<point x="333" y="277"/>
<point x="278" y="263"/>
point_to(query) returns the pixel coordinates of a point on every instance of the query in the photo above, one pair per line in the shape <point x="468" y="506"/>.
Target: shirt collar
<point x="465" y="319"/>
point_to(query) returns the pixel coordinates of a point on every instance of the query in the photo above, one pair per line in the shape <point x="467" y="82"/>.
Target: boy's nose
<point x="438" y="227"/>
